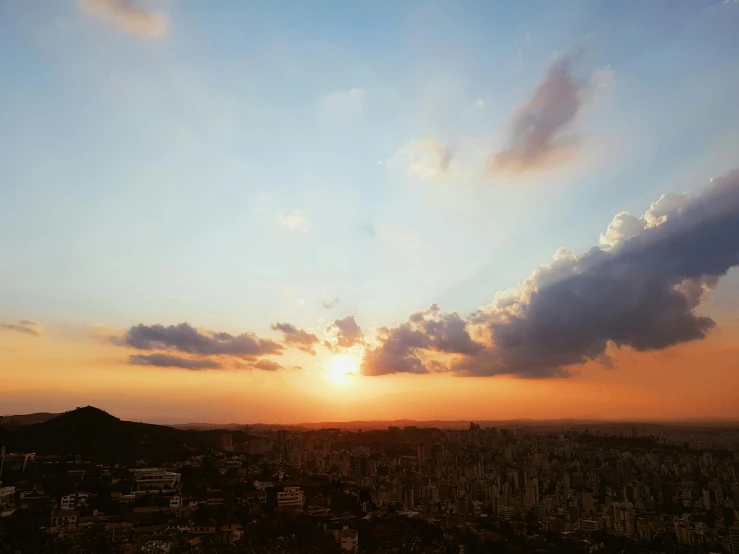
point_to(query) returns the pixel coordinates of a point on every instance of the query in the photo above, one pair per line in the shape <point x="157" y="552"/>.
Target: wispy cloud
<point x="268" y="365"/>
<point x="328" y="304"/>
<point x="24" y="326"/>
<point x="165" y="360"/>
<point x="127" y="16"/>
<point x="537" y="131"/>
<point x="294" y="220"/>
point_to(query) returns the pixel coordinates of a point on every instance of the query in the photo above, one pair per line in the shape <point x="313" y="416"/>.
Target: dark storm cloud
<point x="427" y="330"/>
<point x="535" y="137"/>
<point x="641" y="293"/>
<point x="165" y="360"/>
<point x="24" y="326"/>
<point x="297" y="337"/>
<point x="185" y="338"/>
<point x="347" y="332"/>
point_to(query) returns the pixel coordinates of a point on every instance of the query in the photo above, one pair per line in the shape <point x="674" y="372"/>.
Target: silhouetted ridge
<point x="87" y="416"/>
<point x="92" y="432"/>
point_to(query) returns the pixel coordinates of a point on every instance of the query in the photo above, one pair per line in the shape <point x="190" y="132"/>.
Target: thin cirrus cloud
<point x="297" y="338"/>
<point x="166" y="360"/>
<point x="639" y="291"/>
<point x="294" y="220"/>
<point x="127" y="16"/>
<point x="24" y="326"/>
<point x="537" y="129"/>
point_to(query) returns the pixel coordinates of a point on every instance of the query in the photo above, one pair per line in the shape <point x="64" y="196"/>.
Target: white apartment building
<point x="74" y="500"/>
<point x="155" y="479"/>
<point x="291" y="496"/>
<point x="349" y="539"/>
<point x="66" y="519"/>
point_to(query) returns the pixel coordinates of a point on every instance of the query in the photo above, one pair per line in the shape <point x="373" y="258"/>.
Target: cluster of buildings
<point x="588" y="487"/>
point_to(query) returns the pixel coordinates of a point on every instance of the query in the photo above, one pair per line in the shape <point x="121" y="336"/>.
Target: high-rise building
<point x="734" y="539"/>
<point x="358" y="466"/>
<point x="634" y="433"/>
<point x="532" y="493"/>
<point x="227" y="442"/>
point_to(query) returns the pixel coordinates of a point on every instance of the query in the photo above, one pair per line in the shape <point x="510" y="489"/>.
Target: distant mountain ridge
<point x="92" y="432"/>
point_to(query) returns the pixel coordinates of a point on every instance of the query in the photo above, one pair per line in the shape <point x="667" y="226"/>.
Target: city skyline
<point x="261" y="214"/>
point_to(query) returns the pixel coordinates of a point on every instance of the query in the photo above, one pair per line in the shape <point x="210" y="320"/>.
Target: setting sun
<point x="340" y="367"/>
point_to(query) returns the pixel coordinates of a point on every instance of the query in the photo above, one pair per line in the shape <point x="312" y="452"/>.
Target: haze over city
<point x="332" y="211"/>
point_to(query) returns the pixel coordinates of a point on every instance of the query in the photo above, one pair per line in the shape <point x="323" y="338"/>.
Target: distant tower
<point x="227" y="442"/>
<point x="2" y="459"/>
<point x="634" y="433"/>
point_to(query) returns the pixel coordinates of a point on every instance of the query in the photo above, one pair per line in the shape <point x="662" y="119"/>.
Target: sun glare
<point x="341" y="367"/>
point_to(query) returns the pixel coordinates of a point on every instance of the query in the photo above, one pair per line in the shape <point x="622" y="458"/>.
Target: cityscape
<point x="523" y="487"/>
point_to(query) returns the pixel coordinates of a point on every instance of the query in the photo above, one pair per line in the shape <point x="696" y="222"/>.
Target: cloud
<point x="330" y="304"/>
<point x="24" y="326"/>
<point x="429" y="159"/>
<point x="368" y="229"/>
<point x="127" y="16"/>
<point x="185" y="338"/>
<point x="536" y="132"/>
<point x="294" y="220"/>
<point x="342" y="106"/>
<point x="165" y="360"/>
<point x="297" y="338"/>
<point x="624" y="225"/>
<point x="640" y="291"/>
<point x="346" y="332"/>
<point x="267" y="365"/>
<point x="428" y="330"/>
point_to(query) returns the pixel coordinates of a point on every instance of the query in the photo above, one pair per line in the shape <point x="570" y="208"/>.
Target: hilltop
<point x="92" y="432"/>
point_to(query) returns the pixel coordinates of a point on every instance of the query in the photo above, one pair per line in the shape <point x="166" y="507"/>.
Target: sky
<point x="295" y="212"/>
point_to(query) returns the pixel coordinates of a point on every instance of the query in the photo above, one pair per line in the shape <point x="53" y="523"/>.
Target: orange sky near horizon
<point x="57" y="372"/>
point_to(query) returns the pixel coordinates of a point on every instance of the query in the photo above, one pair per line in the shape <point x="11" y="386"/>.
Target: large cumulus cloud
<point x="639" y="291"/>
<point x="400" y="349"/>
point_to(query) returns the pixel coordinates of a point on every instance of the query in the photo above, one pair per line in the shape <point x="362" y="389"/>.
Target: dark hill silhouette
<point x="25" y="419"/>
<point x="95" y="433"/>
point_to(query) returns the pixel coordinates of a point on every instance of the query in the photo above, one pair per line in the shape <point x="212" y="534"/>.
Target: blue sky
<point x="252" y="162"/>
